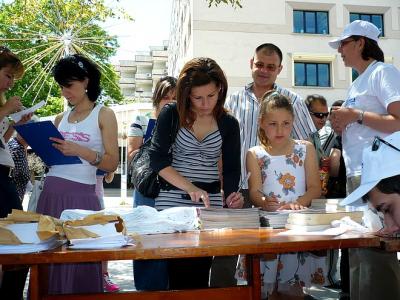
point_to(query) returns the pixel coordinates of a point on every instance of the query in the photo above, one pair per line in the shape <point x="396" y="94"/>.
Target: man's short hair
<point x="269" y="49"/>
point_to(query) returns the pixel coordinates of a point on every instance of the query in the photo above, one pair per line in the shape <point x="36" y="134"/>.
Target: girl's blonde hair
<point x="9" y="59"/>
<point x="271" y="100"/>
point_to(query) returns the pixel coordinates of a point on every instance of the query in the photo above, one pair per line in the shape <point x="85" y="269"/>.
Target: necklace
<point x="81" y="115"/>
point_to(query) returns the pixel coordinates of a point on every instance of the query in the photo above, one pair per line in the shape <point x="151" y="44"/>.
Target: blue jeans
<point x="149" y="275"/>
<point x="139" y="199"/>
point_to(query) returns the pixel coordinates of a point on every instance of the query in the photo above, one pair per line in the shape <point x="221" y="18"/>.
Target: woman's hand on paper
<point x="24" y="119"/>
<point x="291" y="206"/>
<point x="13" y="105"/>
<point x="198" y="195"/>
<point x="235" y="200"/>
<point x="271" y="203"/>
<point x="67" y="148"/>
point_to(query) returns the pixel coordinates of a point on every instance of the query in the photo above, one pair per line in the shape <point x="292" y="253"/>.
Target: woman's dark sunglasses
<point x="377" y="143"/>
<point x="319" y="115"/>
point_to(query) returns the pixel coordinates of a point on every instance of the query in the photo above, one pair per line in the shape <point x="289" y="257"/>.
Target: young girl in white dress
<point x="287" y="171"/>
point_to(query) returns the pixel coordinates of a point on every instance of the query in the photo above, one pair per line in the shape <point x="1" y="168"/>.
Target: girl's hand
<point x="235" y="200"/>
<point x="67" y="148"/>
<point x="292" y="206"/>
<point x="13" y="105"/>
<point x="198" y="195"/>
<point x="271" y="203"/>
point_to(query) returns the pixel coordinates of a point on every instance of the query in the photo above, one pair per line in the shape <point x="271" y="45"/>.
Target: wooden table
<point x="190" y="244"/>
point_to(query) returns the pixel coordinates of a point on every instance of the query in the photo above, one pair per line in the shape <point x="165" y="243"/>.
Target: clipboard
<point x="149" y="131"/>
<point x="37" y="136"/>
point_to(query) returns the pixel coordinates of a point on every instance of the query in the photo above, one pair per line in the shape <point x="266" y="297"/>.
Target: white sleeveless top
<point x="5" y="155"/>
<point x="87" y="134"/>
<point x="283" y="176"/>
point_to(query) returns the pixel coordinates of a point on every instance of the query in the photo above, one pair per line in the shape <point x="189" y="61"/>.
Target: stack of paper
<point x="216" y="218"/>
<point x="314" y="220"/>
<point x="275" y="219"/>
<point x="24" y="239"/>
<point x="147" y="220"/>
<point x="96" y="231"/>
<point x="331" y="205"/>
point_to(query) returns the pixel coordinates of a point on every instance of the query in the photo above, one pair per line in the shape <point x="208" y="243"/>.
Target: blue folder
<point x="37" y="136"/>
<point x="149" y="131"/>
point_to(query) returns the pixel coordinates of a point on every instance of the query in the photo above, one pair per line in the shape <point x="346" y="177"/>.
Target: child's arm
<point x="255" y="184"/>
<point x="313" y="185"/>
<point x="108" y="178"/>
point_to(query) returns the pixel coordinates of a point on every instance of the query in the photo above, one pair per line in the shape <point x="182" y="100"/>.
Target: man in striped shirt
<point x="244" y="105"/>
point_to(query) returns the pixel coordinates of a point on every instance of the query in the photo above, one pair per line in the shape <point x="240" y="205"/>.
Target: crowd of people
<point x="282" y="143"/>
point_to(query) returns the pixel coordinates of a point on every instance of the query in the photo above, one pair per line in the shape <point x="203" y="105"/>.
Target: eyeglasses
<point x="345" y="42"/>
<point x="377" y="143"/>
<point x="270" y="67"/>
<point x="319" y="115"/>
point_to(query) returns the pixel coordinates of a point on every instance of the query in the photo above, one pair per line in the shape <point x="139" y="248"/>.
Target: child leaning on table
<point x="287" y="171"/>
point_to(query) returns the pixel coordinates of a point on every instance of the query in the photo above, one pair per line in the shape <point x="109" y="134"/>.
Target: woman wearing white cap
<point x="372" y="108"/>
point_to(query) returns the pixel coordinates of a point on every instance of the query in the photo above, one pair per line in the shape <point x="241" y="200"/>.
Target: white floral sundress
<point x="283" y="176"/>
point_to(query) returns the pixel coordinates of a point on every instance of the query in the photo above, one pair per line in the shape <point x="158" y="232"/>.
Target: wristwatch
<point x="360" y="118"/>
<point x="97" y="160"/>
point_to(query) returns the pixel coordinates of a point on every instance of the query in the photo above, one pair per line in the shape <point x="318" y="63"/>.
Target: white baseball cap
<point x="380" y="161"/>
<point x="358" y="27"/>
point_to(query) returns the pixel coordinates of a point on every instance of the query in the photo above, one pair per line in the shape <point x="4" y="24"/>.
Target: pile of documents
<point x="27" y="232"/>
<point x="274" y="219"/>
<point x="147" y="220"/>
<point x="331" y="205"/>
<point x="96" y="231"/>
<point x="217" y="218"/>
<point x="312" y="220"/>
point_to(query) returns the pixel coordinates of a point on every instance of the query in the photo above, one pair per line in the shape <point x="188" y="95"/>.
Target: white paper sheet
<point x="18" y="115"/>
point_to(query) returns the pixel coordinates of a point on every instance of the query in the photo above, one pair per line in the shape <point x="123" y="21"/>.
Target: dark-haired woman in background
<point x="90" y="132"/>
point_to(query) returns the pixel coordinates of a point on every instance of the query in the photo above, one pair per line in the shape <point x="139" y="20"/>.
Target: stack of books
<point x="314" y="220"/>
<point x="331" y="205"/>
<point x="218" y="218"/>
<point x="274" y="219"/>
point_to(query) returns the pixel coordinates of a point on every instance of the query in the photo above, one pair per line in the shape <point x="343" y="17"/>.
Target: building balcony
<point x="158" y="53"/>
<point x="159" y="72"/>
<point x="143" y="76"/>
<point x="143" y="58"/>
<point x="127" y="80"/>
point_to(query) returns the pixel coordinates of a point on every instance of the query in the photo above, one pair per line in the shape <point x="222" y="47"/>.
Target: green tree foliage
<point x="234" y="3"/>
<point x="39" y="31"/>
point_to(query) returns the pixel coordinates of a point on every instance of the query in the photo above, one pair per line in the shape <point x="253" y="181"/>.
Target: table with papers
<point x="252" y="242"/>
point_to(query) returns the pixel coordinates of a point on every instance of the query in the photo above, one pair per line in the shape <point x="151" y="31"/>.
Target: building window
<point x="310" y="22"/>
<point x="377" y="20"/>
<point x="312" y="74"/>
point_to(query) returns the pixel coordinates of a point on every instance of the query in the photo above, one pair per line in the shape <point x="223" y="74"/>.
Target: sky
<point x="150" y="27"/>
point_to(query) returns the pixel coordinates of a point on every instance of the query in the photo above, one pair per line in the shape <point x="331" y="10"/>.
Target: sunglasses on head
<point x="4" y="49"/>
<point x="377" y="143"/>
<point x="319" y="115"/>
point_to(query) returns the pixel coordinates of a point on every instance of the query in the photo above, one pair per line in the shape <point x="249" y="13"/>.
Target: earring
<point x="86" y="91"/>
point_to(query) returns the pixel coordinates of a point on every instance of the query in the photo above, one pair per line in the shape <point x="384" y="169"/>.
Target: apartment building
<point x="301" y="29"/>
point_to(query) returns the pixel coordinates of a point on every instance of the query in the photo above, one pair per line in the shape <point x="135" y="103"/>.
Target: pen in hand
<point x="244" y="180"/>
<point x="241" y="184"/>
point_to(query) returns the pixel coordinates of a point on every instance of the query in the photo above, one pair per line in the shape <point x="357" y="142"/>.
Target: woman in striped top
<point x="207" y="136"/>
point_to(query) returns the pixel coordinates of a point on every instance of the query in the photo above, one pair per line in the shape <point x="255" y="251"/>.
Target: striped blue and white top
<point x="245" y="107"/>
<point x="198" y="162"/>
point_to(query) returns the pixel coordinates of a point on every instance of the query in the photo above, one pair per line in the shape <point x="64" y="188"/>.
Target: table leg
<point x="254" y="280"/>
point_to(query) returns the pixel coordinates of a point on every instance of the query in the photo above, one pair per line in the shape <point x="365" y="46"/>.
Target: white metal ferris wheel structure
<point x="55" y="33"/>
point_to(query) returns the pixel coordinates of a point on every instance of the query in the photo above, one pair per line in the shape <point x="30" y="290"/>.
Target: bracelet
<point x="97" y="160"/>
<point x="360" y="117"/>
